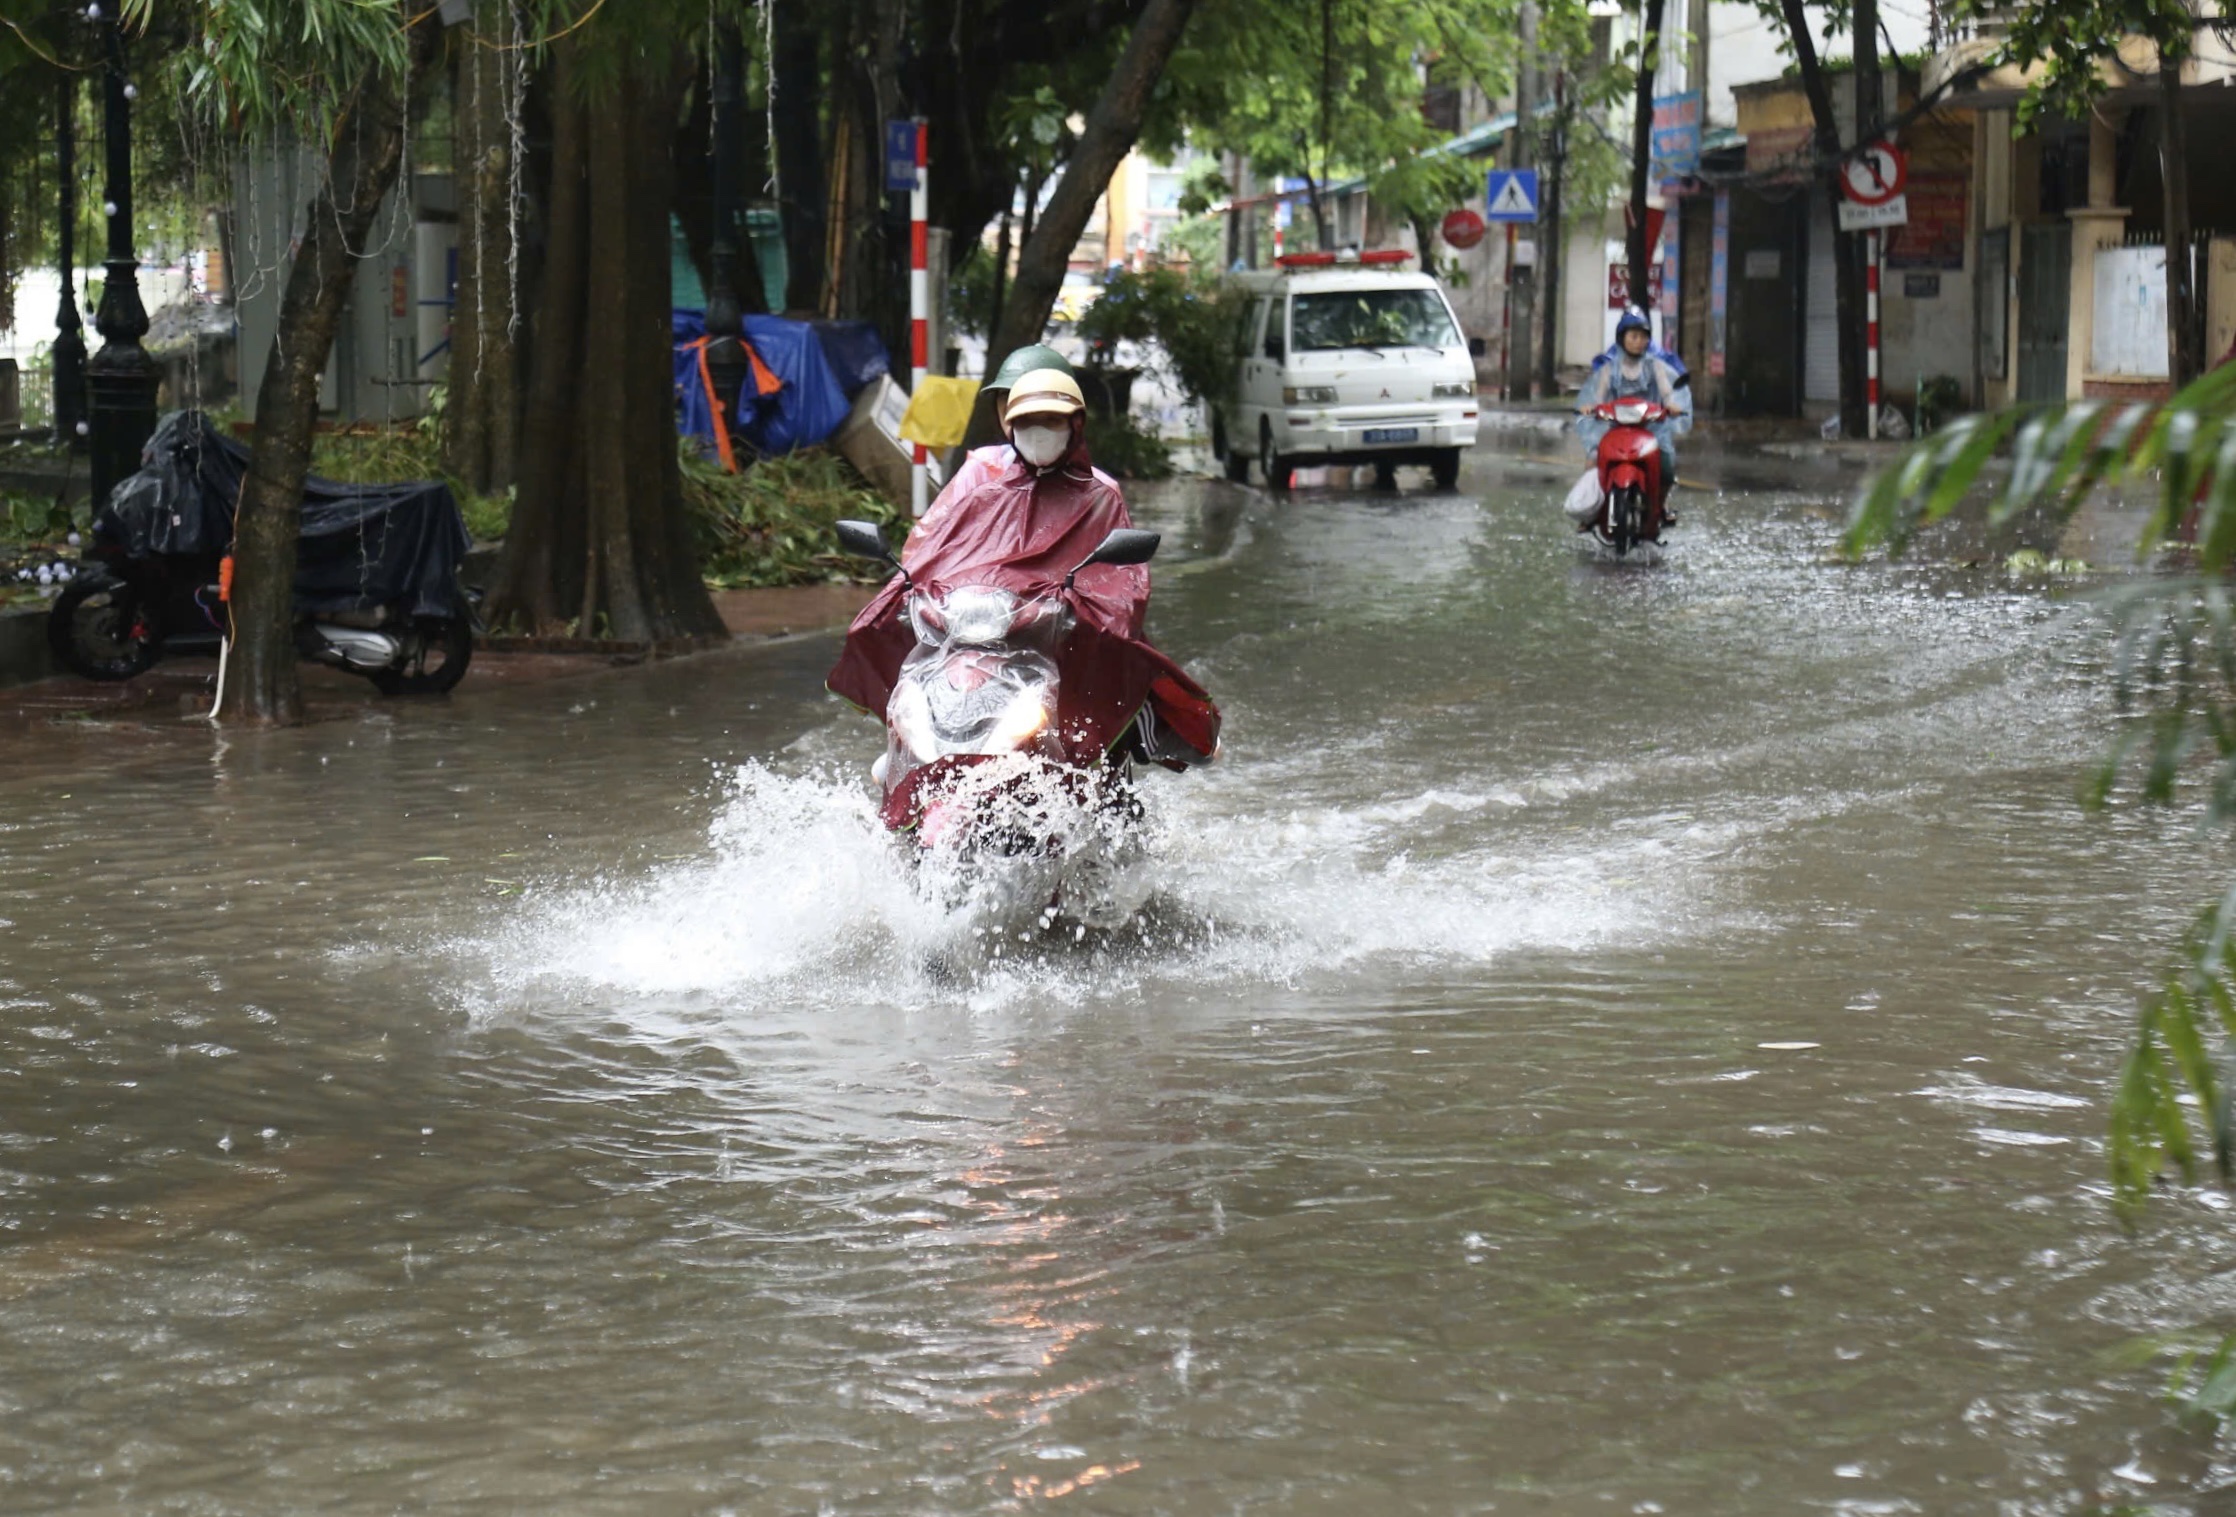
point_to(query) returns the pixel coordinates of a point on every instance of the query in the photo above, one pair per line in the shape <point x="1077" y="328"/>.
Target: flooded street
<point x="1605" y="1039"/>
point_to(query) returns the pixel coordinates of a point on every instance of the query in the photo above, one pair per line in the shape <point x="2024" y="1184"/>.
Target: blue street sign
<point x="1511" y="196"/>
<point x="900" y="156"/>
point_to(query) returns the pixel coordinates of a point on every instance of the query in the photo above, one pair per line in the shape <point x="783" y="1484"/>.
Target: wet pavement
<point x="1606" y="1038"/>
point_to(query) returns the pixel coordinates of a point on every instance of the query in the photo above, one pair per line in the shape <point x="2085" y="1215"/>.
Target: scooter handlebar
<point x="1644" y="412"/>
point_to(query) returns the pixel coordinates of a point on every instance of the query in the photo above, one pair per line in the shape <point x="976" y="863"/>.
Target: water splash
<point x="803" y="898"/>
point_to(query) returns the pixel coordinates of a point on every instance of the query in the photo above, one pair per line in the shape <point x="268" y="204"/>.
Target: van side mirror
<point x="1477" y="347"/>
<point x="1274" y="346"/>
<point x="1124" y="546"/>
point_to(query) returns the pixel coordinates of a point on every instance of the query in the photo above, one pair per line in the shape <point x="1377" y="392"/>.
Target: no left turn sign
<point x="1876" y="175"/>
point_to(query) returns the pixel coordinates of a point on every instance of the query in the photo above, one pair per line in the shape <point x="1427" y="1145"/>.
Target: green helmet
<point x="1034" y="355"/>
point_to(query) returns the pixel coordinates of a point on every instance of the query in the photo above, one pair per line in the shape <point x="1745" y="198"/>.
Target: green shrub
<point x="772" y="524"/>
<point x="1195" y="325"/>
<point x="1124" y="446"/>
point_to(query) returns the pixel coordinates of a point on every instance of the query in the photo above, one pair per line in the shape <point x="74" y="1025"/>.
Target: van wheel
<point x="1385" y="476"/>
<point x="1444" y="468"/>
<point x="1237" y="462"/>
<point x="1279" y="472"/>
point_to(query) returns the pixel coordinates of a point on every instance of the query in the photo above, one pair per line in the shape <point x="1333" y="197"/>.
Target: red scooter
<point x="1633" y="484"/>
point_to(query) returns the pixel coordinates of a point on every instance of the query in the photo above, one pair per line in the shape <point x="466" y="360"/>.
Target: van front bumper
<point x="1330" y="438"/>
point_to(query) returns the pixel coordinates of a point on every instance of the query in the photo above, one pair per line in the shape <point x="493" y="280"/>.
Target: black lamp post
<point x="726" y="360"/>
<point x="69" y="339"/>
<point x="120" y="379"/>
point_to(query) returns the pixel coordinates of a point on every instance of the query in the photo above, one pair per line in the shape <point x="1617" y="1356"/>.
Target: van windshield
<point x="1370" y="319"/>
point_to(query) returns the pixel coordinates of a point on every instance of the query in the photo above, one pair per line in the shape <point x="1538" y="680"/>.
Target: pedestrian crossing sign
<point x="1511" y="195"/>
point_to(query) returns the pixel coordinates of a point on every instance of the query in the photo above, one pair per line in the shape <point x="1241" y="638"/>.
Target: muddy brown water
<point x="558" y="1101"/>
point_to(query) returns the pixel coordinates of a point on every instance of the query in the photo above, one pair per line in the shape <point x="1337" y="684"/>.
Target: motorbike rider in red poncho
<point x="1025" y="525"/>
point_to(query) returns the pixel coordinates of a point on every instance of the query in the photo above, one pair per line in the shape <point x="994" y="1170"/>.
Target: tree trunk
<point x="481" y="417"/>
<point x="799" y="153"/>
<point x="2184" y="361"/>
<point x="1641" y="157"/>
<point x="1112" y="126"/>
<point x="366" y="147"/>
<point x="1001" y="278"/>
<point x="600" y="544"/>
<point x="1848" y="313"/>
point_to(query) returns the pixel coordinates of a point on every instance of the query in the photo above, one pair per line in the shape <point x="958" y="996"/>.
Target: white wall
<point x="1744" y="47"/>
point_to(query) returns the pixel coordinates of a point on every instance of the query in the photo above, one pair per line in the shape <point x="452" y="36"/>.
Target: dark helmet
<point x="1034" y="355"/>
<point x="1632" y="320"/>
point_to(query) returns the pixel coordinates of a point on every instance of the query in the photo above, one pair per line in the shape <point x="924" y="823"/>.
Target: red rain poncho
<point x="1005" y="524"/>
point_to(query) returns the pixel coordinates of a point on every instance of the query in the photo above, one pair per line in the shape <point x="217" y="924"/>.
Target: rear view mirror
<point x="864" y="539"/>
<point x="1124" y="546"/>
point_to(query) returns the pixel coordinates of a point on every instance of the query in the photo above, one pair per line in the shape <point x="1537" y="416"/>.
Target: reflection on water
<point x="1605" y="1039"/>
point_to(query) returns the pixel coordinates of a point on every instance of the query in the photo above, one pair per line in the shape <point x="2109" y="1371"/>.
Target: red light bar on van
<point x="1382" y="258"/>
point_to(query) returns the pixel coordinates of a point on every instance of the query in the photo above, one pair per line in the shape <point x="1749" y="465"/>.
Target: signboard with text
<point x="1933" y="237"/>
<point x="1676" y="135"/>
<point x="900" y="156"/>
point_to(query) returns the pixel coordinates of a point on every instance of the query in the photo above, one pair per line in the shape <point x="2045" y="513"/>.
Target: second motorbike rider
<point x="1630" y="372"/>
<point x="1023" y="525"/>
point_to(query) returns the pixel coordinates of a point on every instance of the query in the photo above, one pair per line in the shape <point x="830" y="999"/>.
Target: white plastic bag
<point x="1583" y="500"/>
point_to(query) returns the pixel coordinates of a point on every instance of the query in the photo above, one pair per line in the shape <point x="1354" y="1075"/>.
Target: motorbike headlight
<point x="1455" y="389"/>
<point x="911" y="716"/>
<point x="1308" y="395"/>
<point x="1631" y="415"/>
<point x="979" y="615"/>
<point x="1024" y="720"/>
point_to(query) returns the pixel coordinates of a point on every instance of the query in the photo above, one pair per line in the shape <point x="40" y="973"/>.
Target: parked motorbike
<point x="376" y="581"/>
<point x="973" y="761"/>
<point x="1633" y="491"/>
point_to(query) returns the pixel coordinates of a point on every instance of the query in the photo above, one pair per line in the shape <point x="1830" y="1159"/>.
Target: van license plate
<point x="1393" y="434"/>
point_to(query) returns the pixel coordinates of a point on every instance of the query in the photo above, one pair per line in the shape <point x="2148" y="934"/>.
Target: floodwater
<point x="1605" y="1038"/>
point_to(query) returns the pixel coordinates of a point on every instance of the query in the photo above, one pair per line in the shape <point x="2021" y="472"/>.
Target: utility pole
<point x="120" y="380"/>
<point x="726" y="361"/>
<point x="69" y="340"/>
<point x="1555" y="157"/>
<point x="1521" y="144"/>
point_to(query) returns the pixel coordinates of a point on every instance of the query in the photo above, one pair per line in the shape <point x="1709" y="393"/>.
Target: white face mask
<point x="1041" y="446"/>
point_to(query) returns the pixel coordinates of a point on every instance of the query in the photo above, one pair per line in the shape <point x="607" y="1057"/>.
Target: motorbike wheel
<point x="103" y="632"/>
<point x="448" y="643"/>
<point x="1622" y="519"/>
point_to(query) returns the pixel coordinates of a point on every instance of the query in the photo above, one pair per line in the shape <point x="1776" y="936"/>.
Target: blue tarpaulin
<point x="854" y="351"/>
<point x="806" y="407"/>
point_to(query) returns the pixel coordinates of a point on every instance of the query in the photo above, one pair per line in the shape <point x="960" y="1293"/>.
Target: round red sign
<point x="1462" y="229"/>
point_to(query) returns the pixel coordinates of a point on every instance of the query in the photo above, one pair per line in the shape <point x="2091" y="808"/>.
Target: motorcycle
<point x="376" y="582"/>
<point x="974" y="761"/>
<point x="1632" y="490"/>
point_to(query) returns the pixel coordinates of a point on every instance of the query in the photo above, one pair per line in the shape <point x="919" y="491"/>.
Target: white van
<point x="1347" y="358"/>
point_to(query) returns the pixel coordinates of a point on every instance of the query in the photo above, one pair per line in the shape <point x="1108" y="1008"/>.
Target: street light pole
<point x="69" y="329"/>
<point x="120" y="379"/>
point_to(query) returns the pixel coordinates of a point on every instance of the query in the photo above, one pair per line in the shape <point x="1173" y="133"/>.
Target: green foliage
<point x="1126" y="447"/>
<point x="2071" y="47"/>
<point x="1251" y="81"/>
<point x="1940" y="397"/>
<point x="773" y="523"/>
<point x="1194" y="323"/>
<point x="970" y="291"/>
<point x="393" y="455"/>
<point x="28" y="519"/>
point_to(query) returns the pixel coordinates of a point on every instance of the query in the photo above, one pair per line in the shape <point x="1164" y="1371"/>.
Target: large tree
<point x="332" y="75"/>
<point x="481" y="417"/>
<point x="599" y="543"/>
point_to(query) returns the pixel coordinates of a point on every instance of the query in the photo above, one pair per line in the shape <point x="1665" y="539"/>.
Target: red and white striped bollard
<point x="919" y="308"/>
